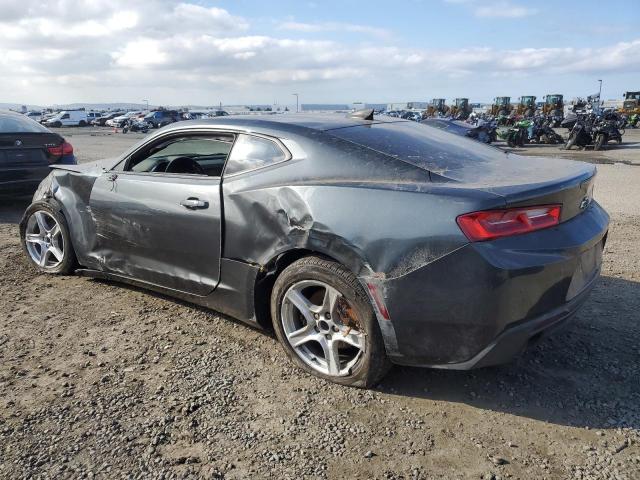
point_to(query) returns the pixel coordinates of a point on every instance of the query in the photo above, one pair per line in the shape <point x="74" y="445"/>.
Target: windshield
<point x="19" y="124"/>
<point x="554" y="99"/>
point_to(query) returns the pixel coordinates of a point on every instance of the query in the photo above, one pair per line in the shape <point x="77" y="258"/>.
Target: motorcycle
<point x="606" y="131"/>
<point x="541" y="132"/>
<point x="517" y="135"/>
<point x="580" y="134"/>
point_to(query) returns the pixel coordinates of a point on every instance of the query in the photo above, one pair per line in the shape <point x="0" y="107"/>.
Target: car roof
<point x="275" y="123"/>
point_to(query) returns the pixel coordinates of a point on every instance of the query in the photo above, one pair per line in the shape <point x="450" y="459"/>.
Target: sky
<point x="260" y="52"/>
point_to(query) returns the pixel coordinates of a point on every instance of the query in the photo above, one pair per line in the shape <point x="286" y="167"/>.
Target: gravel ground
<point x="103" y="380"/>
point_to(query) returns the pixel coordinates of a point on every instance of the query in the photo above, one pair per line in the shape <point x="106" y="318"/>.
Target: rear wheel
<point x="46" y="240"/>
<point x="600" y="141"/>
<point x="82" y="123"/>
<point x="325" y="322"/>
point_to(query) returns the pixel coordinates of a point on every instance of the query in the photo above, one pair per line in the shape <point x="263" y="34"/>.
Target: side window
<point x="65" y="116"/>
<point x="253" y="152"/>
<point x="196" y="155"/>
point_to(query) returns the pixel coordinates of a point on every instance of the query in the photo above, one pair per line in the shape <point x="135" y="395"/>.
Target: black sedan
<point x="102" y="120"/>
<point x="360" y="242"/>
<point x="485" y="133"/>
<point x="27" y="150"/>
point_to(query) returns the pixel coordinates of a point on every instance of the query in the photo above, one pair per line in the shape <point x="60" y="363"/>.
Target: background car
<point x="92" y="116"/>
<point x="360" y="241"/>
<point x="160" y="118"/>
<point x="102" y="119"/>
<point x="34" y="115"/>
<point x="68" y="118"/>
<point x="485" y="133"/>
<point x="120" y="120"/>
<point x="27" y="150"/>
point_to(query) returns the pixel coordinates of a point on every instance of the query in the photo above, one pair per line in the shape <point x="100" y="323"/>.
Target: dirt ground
<point x="100" y="380"/>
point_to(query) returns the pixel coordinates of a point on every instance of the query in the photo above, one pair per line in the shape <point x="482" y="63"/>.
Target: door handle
<point x="194" y="203"/>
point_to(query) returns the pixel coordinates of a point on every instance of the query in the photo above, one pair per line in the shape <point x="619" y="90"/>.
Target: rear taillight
<point x="491" y="224"/>
<point x="57" y="151"/>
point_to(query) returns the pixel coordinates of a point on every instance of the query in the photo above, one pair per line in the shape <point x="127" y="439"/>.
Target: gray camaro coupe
<point x="361" y="242"/>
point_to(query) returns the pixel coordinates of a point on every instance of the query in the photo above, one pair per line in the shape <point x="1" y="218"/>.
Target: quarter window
<point x="251" y="152"/>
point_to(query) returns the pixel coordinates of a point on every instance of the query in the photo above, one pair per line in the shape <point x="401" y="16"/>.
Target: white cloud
<point x="177" y="50"/>
<point x="504" y="9"/>
<point x="495" y="9"/>
<point x="335" y="27"/>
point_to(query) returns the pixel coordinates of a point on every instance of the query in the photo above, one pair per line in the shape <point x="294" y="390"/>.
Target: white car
<point x="91" y="116"/>
<point x="119" y="121"/>
<point x="68" y="118"/>
<point x="35" y="116"/>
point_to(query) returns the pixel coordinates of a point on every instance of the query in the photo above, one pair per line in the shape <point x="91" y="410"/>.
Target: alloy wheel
<point x="322" y="328"/>
<point x="44" y="240"/>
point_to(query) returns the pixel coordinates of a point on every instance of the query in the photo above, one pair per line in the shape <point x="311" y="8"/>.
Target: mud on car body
<point x="361" y="242"/>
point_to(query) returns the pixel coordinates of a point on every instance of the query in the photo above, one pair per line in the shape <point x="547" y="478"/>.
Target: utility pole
<point x="147" y="102"/>
<point x="297" y="103"/>
<point x="600" y="91"/>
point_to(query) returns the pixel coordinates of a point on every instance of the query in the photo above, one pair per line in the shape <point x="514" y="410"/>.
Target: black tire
<point x="57" y="124"/>
<point x="82" y="123"/>
<point x="69" y="262"/>
<point x="600" y="141"/>
<point x="373" y="363"/>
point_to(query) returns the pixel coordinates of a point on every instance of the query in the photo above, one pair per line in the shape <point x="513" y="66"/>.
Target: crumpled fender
<point x="71" y="190"/>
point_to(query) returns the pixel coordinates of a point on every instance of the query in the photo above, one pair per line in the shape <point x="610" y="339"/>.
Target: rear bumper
<point x="19" y="181"/>
<point x="482" y="304"/>
<point x="515" y="339"/>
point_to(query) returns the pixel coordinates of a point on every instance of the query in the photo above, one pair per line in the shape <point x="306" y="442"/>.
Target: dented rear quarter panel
<point x="376" y="215"/>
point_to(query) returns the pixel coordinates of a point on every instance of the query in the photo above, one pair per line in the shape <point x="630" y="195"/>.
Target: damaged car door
<point x="158" y="212"/>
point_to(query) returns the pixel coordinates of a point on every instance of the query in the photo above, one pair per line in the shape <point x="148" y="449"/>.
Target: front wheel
<point x="46" y="239"/>
<point x="324" y="320"/>
<point x="600" y="141"/>
<point x="571" y="141"/>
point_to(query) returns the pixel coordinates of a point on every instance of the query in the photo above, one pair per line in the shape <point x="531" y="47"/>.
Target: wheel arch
<point x="274" y="267"/>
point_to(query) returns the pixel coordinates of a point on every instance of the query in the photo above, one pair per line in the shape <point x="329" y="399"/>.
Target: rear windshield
<point x="19" y="124"/>
<point x="421" y="145"/>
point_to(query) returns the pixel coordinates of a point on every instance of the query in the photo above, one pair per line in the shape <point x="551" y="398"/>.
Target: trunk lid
<point x="26" y="150"/>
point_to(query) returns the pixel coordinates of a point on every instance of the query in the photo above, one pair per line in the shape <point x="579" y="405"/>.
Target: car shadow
<point x="584" y="375"/>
